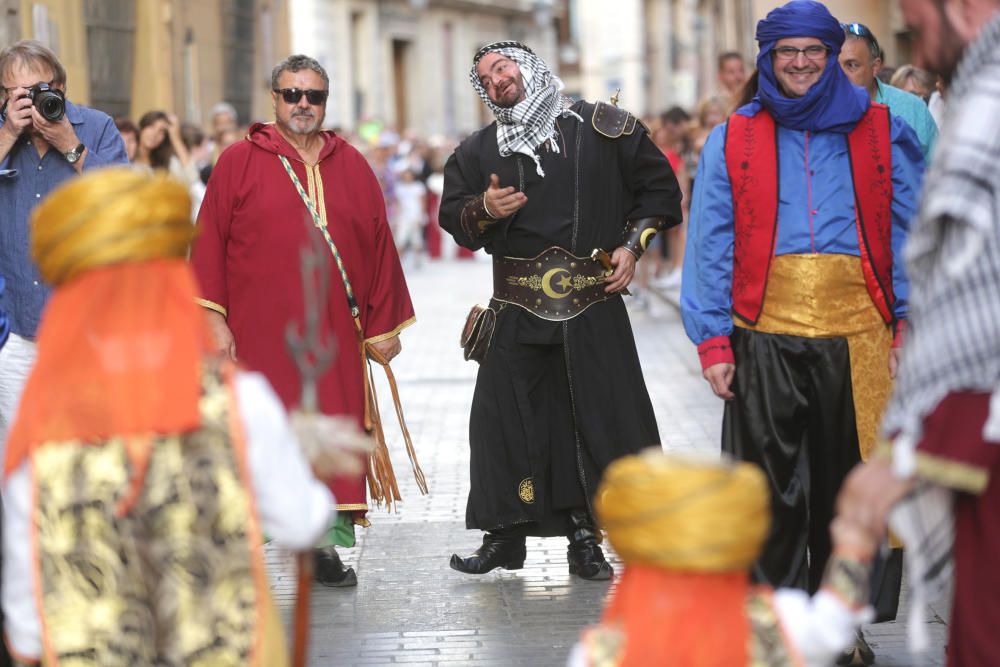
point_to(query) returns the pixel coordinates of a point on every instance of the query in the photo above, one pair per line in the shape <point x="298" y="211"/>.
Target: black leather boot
<point x="498" y="550"/>
<point x="329" y="570"/>
<point x="586" y="560"/>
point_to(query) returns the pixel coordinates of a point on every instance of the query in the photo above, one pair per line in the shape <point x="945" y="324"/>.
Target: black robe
<point x="556" y="402"/>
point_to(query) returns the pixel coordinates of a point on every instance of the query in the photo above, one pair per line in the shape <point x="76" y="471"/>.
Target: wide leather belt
<point x="555" y="285"/>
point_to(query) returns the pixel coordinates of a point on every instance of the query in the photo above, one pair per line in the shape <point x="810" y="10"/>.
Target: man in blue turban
<point x="793" y="288"/>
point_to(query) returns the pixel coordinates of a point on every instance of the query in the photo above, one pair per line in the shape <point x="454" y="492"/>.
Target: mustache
<point x="305" y="113"/>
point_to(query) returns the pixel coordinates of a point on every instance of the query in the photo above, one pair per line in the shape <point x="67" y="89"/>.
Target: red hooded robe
<point x="247" y="256"/>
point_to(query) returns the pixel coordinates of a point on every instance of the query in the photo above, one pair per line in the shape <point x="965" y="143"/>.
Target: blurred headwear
<point x="110" y="217"/>
<point x="684" y="514"/>
<point x="121" y="342"/>
<point x="531" y="122"/>
<point x="833" y="104"/>
<point x="688" y="531"/>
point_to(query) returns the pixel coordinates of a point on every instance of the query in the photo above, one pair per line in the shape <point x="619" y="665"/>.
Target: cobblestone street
<point x="409" y="607"/>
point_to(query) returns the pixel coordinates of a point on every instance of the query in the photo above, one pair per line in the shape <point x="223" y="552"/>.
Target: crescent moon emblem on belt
<point x="547" y="284"/>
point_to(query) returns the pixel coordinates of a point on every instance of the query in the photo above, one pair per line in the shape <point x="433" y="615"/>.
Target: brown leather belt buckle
<point x="556" y="285"/>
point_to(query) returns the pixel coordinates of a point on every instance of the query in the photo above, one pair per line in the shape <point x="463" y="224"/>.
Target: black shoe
<point x="860" y="653"/>
<point x="329" y="570"/>
<point x="586" y="560"/>
<point x="498" y="550"/>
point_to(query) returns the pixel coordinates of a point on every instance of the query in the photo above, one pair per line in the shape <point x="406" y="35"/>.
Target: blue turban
<point x="833" y="104"/>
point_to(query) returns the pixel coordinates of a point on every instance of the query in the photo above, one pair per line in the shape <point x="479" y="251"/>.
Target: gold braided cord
<point x="110" y="216"/>
<point x="684" y="513"/>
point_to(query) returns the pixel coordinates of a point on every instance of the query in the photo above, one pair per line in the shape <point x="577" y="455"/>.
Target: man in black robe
<point x="560" y="393"/>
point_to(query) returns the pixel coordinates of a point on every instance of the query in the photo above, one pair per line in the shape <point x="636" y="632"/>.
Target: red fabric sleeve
<point x="389" y="309"/>
<point x="208" y="254"/>
<point x="953" y="451"/>
<point x="897" y="340"/>
<point x="714" y="351"/>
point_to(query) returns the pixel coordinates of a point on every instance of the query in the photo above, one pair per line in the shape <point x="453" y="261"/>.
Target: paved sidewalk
<point x="409" y="606"/>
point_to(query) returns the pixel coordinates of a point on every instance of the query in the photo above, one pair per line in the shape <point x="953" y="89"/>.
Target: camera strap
<point x="381" y="477"/>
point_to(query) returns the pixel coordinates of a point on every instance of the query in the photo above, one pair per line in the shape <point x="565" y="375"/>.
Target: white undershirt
<point x="294" y="507"/>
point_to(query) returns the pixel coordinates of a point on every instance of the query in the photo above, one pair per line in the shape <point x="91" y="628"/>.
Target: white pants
<point x="17" y="358"/>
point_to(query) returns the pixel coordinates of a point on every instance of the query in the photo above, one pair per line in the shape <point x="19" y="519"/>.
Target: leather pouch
<point x="478" y="332"/>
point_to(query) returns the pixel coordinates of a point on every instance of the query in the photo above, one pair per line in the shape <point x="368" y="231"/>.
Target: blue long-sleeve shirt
<point x="24" y="181"/>
<point x="816" y="214"/>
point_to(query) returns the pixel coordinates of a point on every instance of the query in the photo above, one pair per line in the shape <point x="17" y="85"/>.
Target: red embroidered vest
<point x="752" y="164"/>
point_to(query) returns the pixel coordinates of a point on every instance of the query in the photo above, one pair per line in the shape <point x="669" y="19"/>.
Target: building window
<point x="110" y="28"/>
<point x="238" y="38"/>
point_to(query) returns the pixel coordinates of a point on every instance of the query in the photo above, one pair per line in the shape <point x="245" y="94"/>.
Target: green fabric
<point x="914" y="111"/>
<point x="341" y="533"/>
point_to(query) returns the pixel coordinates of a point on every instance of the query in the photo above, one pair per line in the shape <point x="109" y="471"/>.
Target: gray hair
<point x="873" y="48"/>
<point x="924" y="79"/>
<point x="297" y="63"/>
<point x="32" y="52"/>
<point x="223" y="108"/>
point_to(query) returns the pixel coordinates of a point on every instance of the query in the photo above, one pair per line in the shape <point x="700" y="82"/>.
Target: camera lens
<point x="50" y="105"/>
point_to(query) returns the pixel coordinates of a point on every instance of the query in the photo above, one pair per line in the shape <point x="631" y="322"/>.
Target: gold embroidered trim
<point x="353" y="507"/>
<point x="953" y="474"/>
<point x="395" y="332"/>
<point x="211" y="305"/>
<point x="768" y="645"/>
<point x="603" y="646"/>
<point x="847" y="578"/>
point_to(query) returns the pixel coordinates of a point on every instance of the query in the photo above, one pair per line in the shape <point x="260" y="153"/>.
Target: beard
<point x="301" y="128"/>
<point x="516" y="86"/>
<point x="945" y="61"/>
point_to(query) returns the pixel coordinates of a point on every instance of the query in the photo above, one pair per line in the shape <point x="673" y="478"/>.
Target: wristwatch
<point x="74" y="155"/>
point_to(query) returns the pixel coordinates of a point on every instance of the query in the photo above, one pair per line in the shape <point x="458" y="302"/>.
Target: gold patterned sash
<point x="824" y="296"/>
<point x="178" y="578"/>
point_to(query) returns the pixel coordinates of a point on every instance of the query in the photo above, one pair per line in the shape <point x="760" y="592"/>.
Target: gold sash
<point x="825" y="296"/>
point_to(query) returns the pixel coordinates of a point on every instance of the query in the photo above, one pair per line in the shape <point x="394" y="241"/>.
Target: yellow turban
<point x="684" y="514"/>
<point x="110" y="216"/>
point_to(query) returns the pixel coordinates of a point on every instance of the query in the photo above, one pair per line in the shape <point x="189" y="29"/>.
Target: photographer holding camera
<point x="44" y="141"/>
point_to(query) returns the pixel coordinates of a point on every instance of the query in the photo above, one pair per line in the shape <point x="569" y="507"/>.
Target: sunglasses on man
<point x="862" y="31"/>
<point x="293" y="95"/>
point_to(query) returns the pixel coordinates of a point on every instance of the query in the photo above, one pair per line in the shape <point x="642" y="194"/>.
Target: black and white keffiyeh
<point x="953" y="253"/>
<point x="953" y="337"/>
<point x="524" y="127"/>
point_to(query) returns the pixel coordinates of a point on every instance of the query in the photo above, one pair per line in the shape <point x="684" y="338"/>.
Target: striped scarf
<point x="524" y="127"/>
<point x="953" y="253"/>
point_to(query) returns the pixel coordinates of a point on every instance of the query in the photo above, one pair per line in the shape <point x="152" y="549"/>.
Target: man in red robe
<point x="246" y="258"/>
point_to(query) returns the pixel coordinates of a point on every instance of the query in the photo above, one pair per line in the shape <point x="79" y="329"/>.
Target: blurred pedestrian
<point x="914" y="80"/>
<point x="411" y="216"/>
<point x="139" y="464"/>
<point x="161" y="147"/>
<point x="731" y="73"/>
<point x="861" y="58"/>
<point x="560" y="394"/>
<point x="793" y="289"/>
<point x="943" y="416"/>
<point x="688" y="532"/>
<point x="263" y="189"/>
<point x="130" y="135"/>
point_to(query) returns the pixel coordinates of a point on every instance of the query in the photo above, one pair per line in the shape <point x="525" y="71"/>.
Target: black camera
<point x="51" y="103"/>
